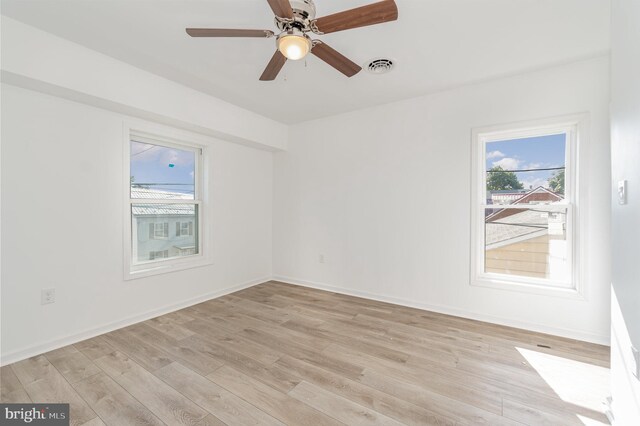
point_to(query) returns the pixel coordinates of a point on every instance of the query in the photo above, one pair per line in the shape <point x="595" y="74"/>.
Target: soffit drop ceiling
<point x="436" y="44"/>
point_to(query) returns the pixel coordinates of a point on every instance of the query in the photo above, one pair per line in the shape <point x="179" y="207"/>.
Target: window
<point x="525" y="207"/>
<point x="184" y="229"/>
<point x="158" y="230"/>
<point x="164" y="205"/>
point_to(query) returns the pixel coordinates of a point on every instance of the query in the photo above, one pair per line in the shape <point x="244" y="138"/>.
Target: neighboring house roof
<point x="508" y="226"/>
<point x="522" y="225"/>
<point x="509" y="191"/>
<point x="158" y="194"/>
<point x="501" y="195"/>
<point x="535" y="196"/>
<point x="539" y="194"/>
<point x="161" y="209"/>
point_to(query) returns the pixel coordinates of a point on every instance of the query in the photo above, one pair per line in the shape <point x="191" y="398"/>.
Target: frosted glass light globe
<point x="294" y="46"/>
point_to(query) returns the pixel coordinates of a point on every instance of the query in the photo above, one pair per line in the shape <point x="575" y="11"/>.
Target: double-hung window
<point x="165" y="205"/>
<point x="524" y="215"/>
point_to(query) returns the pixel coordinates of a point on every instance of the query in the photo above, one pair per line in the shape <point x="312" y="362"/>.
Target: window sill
<point x="543" y="290"/>
<point x="142" y="271"/>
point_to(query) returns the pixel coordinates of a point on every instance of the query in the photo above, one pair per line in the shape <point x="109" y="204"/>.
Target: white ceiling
<point x="436" y="44"/>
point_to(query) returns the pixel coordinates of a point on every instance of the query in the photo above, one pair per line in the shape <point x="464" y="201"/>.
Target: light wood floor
<point x="279" y="354"/>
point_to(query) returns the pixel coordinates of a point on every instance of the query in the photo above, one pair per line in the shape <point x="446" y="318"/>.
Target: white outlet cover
<point x="622" y="192"/>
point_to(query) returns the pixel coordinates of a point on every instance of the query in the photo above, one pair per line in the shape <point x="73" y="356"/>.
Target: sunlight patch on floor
<point x="575" y="382"/>
<point x="590" y="422"/>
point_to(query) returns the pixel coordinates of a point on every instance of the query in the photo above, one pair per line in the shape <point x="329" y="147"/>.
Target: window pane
<point x="529" y="242"/>
<point x="158" y="232"/>
<point x="517" y="167"/>
<point x="160" y="172"/>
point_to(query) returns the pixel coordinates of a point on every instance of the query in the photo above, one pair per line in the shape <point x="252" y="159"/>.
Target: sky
<point x="155" y="164"/>
<point x="173" y="169"/>
<point x="528" y="153"/>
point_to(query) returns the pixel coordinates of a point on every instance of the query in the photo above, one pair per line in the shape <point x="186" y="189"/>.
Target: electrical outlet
<point x="321" y="258"/>
<point x="636" y="358"/>
<point x="47" y="296"/>
<point x="622" y="192"/>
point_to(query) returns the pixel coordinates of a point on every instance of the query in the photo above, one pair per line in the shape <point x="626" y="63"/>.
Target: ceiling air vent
<point x="380" y="66"/>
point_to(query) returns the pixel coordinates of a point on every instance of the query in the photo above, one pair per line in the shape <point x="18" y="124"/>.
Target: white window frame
<point x="575" y="127"/>
<point x="173" y="138"/>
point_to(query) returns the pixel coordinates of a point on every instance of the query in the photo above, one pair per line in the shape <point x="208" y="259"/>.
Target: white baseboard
<point x="556" y="331"/>
<point x="41" y="348"/>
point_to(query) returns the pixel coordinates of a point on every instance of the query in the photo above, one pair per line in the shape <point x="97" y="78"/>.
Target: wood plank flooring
<point x="279" y="354"/>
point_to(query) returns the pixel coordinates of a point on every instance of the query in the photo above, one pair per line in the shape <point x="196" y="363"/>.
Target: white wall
<point x="625" y="143"/>
<point x="62" y="221"/>
<point x="38" y="60"/>
<point x="384" y="195"/>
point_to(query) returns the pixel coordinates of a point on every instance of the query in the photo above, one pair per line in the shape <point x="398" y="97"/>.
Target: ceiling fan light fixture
<point x="294" y="19"/>
<point x="294" y="44"/>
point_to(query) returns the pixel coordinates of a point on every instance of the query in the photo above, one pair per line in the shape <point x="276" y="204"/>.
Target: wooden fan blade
<point x="376" y="13"/>
<point x="228" y="32"/>
<point x="281" y="8"/>
<point x="273" y="67"/>
<point x="336" y="59"/>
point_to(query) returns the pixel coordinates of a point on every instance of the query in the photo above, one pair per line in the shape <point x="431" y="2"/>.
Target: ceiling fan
<point x="295" y="19"/>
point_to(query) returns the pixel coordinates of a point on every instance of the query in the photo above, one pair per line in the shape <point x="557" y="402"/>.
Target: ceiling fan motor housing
<point x="304" y="9"/>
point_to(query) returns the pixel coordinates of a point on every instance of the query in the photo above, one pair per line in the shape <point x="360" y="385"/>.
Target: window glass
<point x="525" y="216"/>
<point x="154" y="231"/>
<point x="530" y="242"/>
<point x="515" y="167"/>
<point x="161" y="172"/>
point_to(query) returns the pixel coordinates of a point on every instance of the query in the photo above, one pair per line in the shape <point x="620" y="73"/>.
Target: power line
<point x="525" y="210"/>
<point x="526" y="225"/>
<point x="526" y="170"/>
<point x="160" y="184"/>
<point x="144" y="150"/>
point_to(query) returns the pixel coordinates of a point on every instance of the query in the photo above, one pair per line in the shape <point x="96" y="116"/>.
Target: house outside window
<point x="524" y="214"/>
